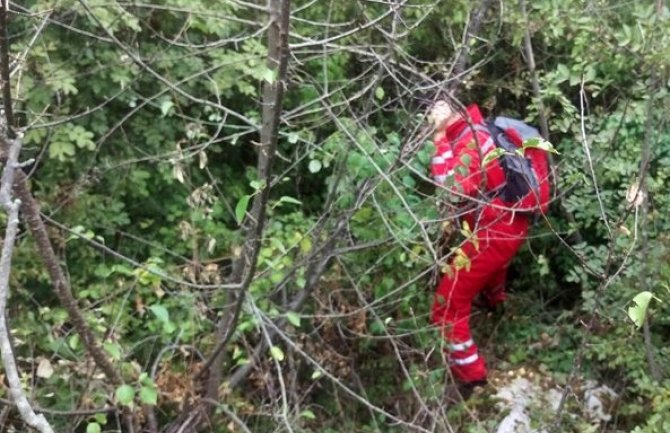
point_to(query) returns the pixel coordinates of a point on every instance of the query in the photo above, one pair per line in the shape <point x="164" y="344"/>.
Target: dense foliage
<point x="144" y="121"/>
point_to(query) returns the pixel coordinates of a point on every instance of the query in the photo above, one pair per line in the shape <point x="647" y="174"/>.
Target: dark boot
<point x="489" y="305"/>
<point x="455" y="393"/>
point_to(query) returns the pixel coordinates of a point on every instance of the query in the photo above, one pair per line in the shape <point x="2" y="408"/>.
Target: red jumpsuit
<point x="499" y="233"/>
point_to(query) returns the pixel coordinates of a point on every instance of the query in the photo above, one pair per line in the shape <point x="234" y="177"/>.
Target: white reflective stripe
<point x="461" y="346"/>
<point x="438" y="160"/>
<point x="487" y="146"/>
<point x="447" y="154"/>
<point x="440" y="178"/>
<point x="465" y="361"/>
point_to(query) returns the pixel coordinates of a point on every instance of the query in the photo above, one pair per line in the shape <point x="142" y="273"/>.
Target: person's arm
<point x="465" y="165"/>
<point x="442" y="160"/>
<point x="459" y="157"/>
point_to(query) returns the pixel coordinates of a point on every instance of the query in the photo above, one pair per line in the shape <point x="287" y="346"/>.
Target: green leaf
<point x="493" y="155"/>
<point x="113" y="349"/>
<point x="287" y="199"/>
<point x="100" y="418"/>
<point x="277" y="353"/>
<point x="293" y="138"/>
<point x="317" y="374"/>
<point x="241" y="208"/>
<point x="166" y="106"/>
<point x="149" y="395"/>
<point x="169" y="327"/>
<point x="314" y="166"/>
<point x="307" y="414"/>
<point x="73" y="342"/>
<point x="61" y="150"/>
<point x="379" y="93"/>
<point x="160" y="312"/>
<point x="125" y="394"/>
<point x="562" y="73"/>
<point x="257" y="184"/>
<point x="638" y="312"/>
<point x="82" y="137"/>
<point x="93" y="427"/>
<point x="377" y="327"/>
<point x="293" y="318"/>
<point x="539" y="143"/>
<point x="269" y="75"/>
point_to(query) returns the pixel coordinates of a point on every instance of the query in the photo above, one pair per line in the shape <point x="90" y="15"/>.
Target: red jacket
<point x="459" y="154"/>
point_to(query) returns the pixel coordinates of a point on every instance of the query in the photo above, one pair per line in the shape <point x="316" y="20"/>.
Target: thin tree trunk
<point x="535" y="83"/>
<point x="253" y="224"/>
<point x="654" y="369"/>
<point x="542" y="117"/>
<point x="463" y="57"/>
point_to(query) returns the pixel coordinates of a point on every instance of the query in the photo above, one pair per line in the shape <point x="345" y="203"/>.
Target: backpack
<point x="527" y="175"/>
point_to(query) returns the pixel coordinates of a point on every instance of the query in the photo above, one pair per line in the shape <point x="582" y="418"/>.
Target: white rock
<point x="593" y="401"/>
<point x="516" y="422"/>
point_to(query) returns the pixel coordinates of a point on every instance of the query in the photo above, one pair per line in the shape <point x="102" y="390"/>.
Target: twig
<point x="107" y="250"/>
<point x="274" y="329"/>
<point x="73" y="412"/>
<point x="609" y="276"/>
<point x="587" y="152"/>
<point x="4" y="68"/>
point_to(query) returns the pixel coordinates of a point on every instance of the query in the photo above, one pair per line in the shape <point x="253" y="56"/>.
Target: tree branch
<point x="4" y="68"/>
<point x="31" y="215"/>
<point x="11" y="206"/>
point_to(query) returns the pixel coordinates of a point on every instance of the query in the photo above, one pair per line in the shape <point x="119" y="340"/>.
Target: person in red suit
<point x="498" y="229"/>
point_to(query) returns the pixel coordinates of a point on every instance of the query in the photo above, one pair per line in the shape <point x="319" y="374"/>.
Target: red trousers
<point x="497" y="243"/>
